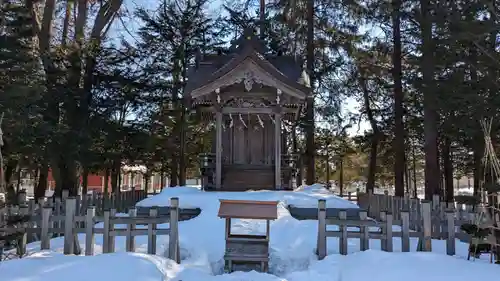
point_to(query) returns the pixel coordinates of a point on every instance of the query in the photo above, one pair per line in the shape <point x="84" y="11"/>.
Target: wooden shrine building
<point x="249" y="92"/>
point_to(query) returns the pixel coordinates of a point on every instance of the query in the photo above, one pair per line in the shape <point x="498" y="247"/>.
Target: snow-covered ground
<point x="292" y="246"/>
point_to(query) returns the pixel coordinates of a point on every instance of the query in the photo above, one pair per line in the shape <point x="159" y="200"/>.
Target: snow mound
<point x="50" y="266"/>
<point x="369" y="265"/>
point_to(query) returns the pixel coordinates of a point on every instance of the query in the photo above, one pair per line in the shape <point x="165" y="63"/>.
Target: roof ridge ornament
<point x="249" y="79"/>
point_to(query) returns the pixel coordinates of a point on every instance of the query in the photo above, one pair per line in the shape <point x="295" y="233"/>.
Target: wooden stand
<point x="247" y="252"/>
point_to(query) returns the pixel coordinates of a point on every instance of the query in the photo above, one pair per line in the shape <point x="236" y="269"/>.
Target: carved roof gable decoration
<point x="248" y="63"/>
<point x="249" y="79"/>
<point x="246" y="103"/>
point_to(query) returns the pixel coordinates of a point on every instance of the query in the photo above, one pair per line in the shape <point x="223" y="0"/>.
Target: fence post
<point x="89" y="231"/>
<point x="112" y="237"/>
<point x="383" y="239"/>
<point x="65" y="194"/>
<point x="425" y="243"/>
<point x="450" y="226"/>
<point x="41" y="202"/>
<point x="405" y="231"/>
<point x="388" y="232"/>
<point x="173" y="243"/>
<point x="106" y="229"/>
<point x="44" y="231"/>
<point x="153" y="212"/>
<point x="435" y="217"/>
<point x="130" y="239"/>
<point x="364" y="230"/>
<point x="69" y="218"/>
<point x="23" y="239"/>
<point x="21" y="197"/>
<point x="343" y="233"/>
<point x="321" y="243"/>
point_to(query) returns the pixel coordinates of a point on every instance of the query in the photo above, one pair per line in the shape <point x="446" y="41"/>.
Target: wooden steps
<point x="247" y="177"/>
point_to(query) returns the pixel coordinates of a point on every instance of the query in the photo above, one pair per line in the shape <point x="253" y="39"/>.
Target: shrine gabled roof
<point x="286" y="69"/>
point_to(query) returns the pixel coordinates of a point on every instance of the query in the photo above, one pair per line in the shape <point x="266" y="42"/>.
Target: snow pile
<point x="370" y="265"/>
<point x="50" y="266"/>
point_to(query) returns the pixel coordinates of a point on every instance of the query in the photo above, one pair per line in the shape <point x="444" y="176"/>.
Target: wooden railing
<point x="121" y="202"/>
<point x="427" y="229"/>
<point x="375" y="204"/>
<point x="47" y="225"/>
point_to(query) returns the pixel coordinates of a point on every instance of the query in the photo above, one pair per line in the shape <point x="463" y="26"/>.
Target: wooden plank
<point x="277" y="150"/>
<point x="139" y="232"/>
<point x="151" y="233"/>
<point x="405" y="231"/>
<point x="450" y="228"/>
<point x="244" y="209"/>
<point x="388" y="232"/>
<point x="426" y="242"/>
<point x="364" y="231"/>
<point x="140" y="220"/>
<point x="355" y="223"/>
<point x="129" y="240"/>
<point x="321" y="246"/>
<point x="173" y="244"/>
<point x="23" y="239"/>
<point x="44" y="231"/>
<point x="89" y="232"/>
<point x="68" y="226"/>
<point x="383" y="228"/>
<point x="218" y="150"/>
<point x="106" y="232"/>
<point x="112" y="239"/>
<point x="343" y="234"/>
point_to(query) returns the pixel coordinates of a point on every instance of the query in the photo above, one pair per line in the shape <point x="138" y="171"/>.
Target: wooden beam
<point x="277" y="150"/>
<point x="250" y="110"/>
<point x="218" y="150"/>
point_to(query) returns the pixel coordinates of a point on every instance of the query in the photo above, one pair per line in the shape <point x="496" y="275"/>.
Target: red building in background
<point x="95" y="182"/>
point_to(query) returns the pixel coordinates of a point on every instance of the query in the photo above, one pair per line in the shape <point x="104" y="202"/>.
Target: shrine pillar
<point x="218" y="149"/>
<point x="277" y="148"/>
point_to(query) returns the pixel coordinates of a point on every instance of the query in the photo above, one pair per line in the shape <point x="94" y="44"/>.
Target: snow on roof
<point x="135" y="168"/>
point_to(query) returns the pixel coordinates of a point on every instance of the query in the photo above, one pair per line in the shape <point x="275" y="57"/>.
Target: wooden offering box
<point x="247" y="252"/>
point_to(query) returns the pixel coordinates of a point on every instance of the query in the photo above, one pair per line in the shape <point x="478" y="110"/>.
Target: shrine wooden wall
<point x="248" y="142"/>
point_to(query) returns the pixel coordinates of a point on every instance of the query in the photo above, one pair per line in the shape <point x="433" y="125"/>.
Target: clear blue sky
<point x="128" y="26"/>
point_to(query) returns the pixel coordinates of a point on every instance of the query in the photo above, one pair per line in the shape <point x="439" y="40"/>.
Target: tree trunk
<point x="310" y="147"/>
<point x="146" y="182"/>
<point x="115" y="175"/>
<point x="448" y="169"/>
<point x="414" y="159"/>
<point x="327" y="160"/>
<point x="182" y="145"/>
<point x="372" y="165"/>
<point x="162" y="176"/>
<point x="9" y="171"/>
<point x="341" y="176"/>
<point x="430" y="101"/>
<point x="85" y="180"/>
<point x="262" y="15"/>
<point x="67" y="17"/>
<point x="174" y="168"/>
<point x="399" y="134"/>
<point x="298" y="179"/>
<point x="41" y="185"/>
